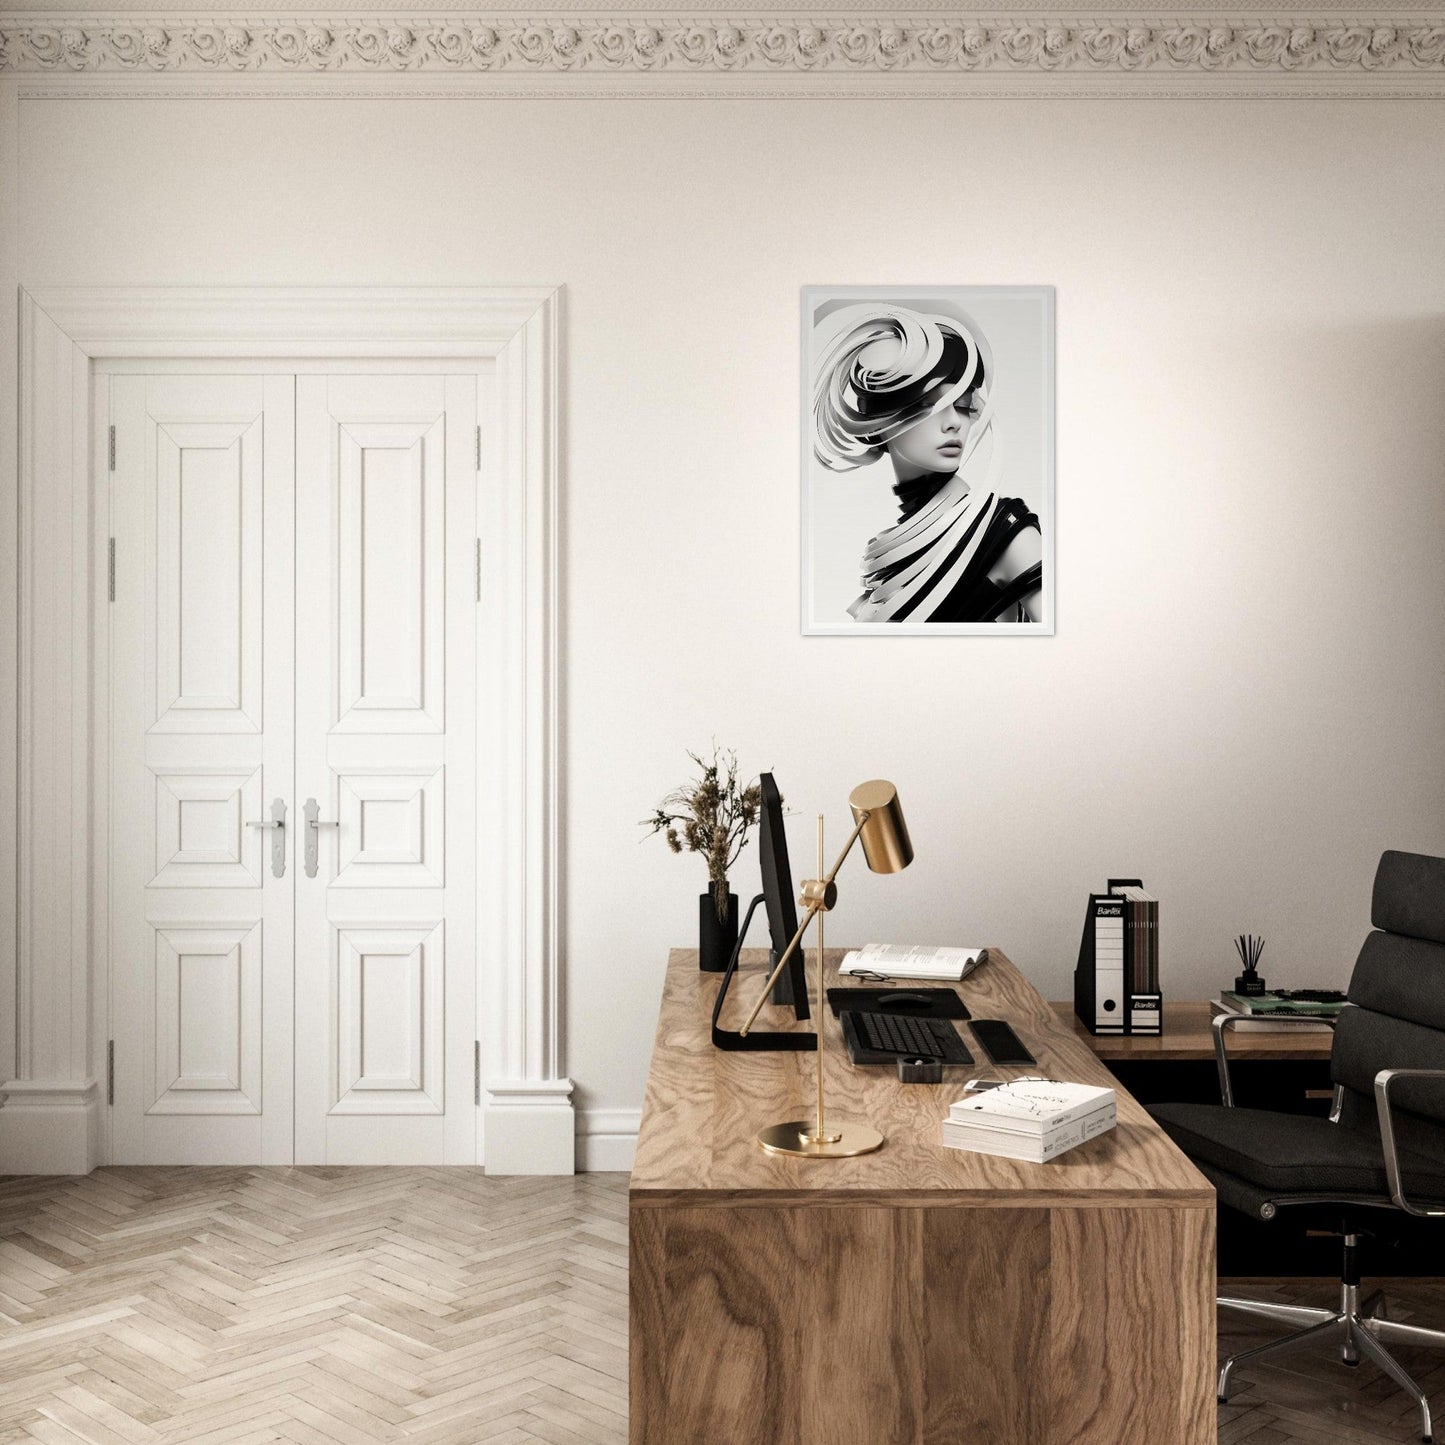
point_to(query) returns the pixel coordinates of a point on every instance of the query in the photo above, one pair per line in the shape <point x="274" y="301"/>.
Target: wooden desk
<point x="1187" y="1036"/>
<point x="919" y="1294"/>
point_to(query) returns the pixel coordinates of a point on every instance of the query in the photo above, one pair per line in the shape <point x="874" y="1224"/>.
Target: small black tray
<point x="917" y="1003"/>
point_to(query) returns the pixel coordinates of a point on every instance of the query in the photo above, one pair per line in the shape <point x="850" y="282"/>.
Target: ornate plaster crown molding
<point x="874" y="45"/>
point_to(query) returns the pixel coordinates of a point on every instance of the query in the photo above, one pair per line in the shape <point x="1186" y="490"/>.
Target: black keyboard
<point x="882" y="1038"/>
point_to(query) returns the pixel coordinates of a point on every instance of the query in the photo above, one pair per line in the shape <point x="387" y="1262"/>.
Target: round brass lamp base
<point x="842" y="1142"/>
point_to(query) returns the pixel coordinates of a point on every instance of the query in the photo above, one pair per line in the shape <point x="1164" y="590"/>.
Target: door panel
<point x="201" y="837"/>
<point x="208" y="1020"/>
<point x="390" y="574"/>
<point x="201" y="741"/>
<point x="208" y="554"/>
<point x="389" y="1012"/>
<point x="385" y="734"/>
<point x="392" y="829"/>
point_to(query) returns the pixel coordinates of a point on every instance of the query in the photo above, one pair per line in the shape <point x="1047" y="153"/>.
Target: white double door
<point x="292" y="642"/>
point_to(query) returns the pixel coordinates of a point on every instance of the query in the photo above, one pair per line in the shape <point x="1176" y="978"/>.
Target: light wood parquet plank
<point x="432" y="1307"/>
<point x="51" y="1432"/>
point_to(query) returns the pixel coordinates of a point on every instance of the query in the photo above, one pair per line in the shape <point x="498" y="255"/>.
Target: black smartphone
<point x="1000" y="1042"/>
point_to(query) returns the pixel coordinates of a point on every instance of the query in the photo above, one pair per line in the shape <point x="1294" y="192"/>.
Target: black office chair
<point x="1381" y="1151"/>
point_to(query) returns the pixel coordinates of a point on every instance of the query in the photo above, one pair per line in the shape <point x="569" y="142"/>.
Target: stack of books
<point x="1262" y="1011"/>
<point x="1141" y="940"/>
<point x="1032" y="1119"/>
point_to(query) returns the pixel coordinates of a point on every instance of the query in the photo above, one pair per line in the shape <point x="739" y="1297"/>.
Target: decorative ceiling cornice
<point x="874" y="45"/>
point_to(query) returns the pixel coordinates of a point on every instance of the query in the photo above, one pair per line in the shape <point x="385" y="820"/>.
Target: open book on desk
<point x="902" y="960"/>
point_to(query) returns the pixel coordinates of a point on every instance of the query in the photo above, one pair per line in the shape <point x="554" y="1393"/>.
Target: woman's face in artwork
<point x="936" y="443"/>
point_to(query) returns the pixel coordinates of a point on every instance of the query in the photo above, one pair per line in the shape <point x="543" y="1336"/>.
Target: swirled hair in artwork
<point x="886" y="369"/>
<point x="918" y="388"/>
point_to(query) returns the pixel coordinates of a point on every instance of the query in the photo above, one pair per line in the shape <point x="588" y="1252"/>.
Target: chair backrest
<point x="1398" y="993"/>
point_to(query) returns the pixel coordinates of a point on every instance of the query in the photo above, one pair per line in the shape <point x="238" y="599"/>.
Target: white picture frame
<point x="863" y="550"/>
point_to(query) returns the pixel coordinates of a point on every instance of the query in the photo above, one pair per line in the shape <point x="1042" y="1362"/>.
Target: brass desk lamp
<point x="878" y="822"/>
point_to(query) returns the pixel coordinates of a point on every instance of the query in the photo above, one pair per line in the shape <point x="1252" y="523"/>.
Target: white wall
<point x="1242" y="704"/>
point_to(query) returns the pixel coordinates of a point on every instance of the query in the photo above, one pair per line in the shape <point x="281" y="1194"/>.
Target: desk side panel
<point x="985" y="1301"/>
<point x="647" y="1327"/>
<point x="867" y="1326"/>
<point x="1132" y="1346"/>
<point x="715" y="1345"/>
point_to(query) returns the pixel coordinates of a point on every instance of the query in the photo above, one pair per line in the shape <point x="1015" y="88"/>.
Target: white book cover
<point x="1032" y="1105"/>
<point x="1035" y="1148"/>
<point x="1009" y="1129"/>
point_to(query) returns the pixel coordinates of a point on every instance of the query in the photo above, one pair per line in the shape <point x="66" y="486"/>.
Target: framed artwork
<point x="928" y="460"/>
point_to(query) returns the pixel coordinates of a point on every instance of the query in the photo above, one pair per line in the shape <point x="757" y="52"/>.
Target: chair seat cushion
<point x="1292" y="1153"/>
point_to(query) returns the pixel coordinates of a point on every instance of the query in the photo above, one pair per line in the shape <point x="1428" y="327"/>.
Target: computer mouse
<point x="904" y="1000"/>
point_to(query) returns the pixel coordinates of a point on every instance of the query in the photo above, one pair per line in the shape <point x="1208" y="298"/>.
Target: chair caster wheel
<point x="1353" y="1364"/>
<point x="1221" y="1399"/>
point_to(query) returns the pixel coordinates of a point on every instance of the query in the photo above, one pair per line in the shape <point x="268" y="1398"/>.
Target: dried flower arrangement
<point x="711" y="816"/>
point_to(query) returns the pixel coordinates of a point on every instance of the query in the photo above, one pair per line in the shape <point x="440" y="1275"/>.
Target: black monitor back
<point x="791" y="987"/>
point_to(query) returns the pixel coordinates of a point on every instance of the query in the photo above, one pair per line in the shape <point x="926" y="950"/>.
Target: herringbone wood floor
<point x="1310" y="1396"/>
<point x="345" y="1306"/>
<point x="235" y="1306"/>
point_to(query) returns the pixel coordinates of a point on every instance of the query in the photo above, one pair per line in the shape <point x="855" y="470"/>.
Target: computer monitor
<point x="777" y="899"/>
<point x="791" y="987"/>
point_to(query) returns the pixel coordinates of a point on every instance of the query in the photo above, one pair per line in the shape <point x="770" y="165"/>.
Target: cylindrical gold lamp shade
<point x="886" y="843"/>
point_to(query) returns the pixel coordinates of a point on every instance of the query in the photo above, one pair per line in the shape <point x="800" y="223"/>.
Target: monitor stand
<point x="782" y="993"/>
<point x="756" y="1040"/>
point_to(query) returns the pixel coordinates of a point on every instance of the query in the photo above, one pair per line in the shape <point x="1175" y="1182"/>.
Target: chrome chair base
<point x="1359" y="1327"/>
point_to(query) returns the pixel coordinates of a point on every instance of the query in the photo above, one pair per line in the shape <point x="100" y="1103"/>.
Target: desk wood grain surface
<point x="704" y="1106"/>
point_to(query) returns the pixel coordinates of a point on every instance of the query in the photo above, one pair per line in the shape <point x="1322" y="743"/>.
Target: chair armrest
<point x="1383" y="1080"/>
<point x="1222" y="1023"/>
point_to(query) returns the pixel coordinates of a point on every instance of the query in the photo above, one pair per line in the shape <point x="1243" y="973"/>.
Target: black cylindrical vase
<point x="716" y="938"/>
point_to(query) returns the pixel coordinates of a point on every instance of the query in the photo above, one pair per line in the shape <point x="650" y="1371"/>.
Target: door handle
<point x="314" y="825"/>
<point x="277" y="822"/>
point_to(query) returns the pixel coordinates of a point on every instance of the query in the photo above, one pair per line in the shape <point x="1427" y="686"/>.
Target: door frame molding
<point x="53" y="1100"/>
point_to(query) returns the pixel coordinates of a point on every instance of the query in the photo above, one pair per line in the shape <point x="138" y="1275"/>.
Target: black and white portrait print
<point x="928" y="459"/>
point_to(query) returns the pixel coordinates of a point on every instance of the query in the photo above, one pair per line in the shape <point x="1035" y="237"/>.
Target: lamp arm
<point x="847" y="848"/>
<point x="816" y="907"/>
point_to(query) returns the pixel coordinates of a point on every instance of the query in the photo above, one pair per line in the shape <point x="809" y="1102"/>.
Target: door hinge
<point x="112" y="448"/>
<point x="110" y="569"/>
<point x="110" y="1072"/>
<point x="479" y="446"/>
<point x="479" y="569"/>
<point x="477" y="1072"/>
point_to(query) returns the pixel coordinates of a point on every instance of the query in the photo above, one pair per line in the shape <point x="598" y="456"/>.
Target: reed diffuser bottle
<point x="1249" y="948"/>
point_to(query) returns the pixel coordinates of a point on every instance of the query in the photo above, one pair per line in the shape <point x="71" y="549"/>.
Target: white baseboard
<point x="49" y="1126"/>
<point x="530" y="1127"/>
<point x="607" y="1139"/>
<point x="54" y="1128"/>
